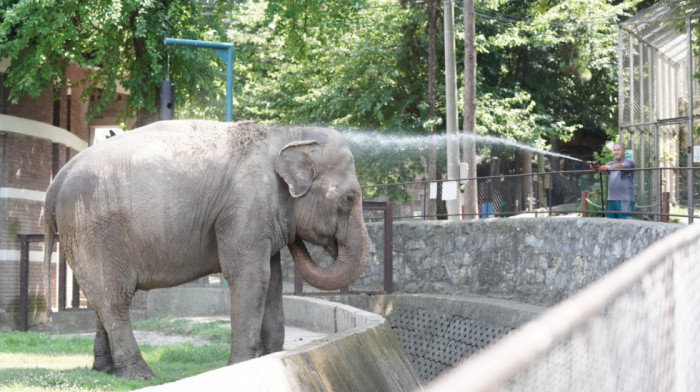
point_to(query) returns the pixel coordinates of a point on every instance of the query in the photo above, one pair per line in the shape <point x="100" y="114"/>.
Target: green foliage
<point x="545" y="68"/>
<point x="605" y="156"/>
<point x="513" y="115"/>
<point x="122" y="43"/>
<point x="563" y="53"/>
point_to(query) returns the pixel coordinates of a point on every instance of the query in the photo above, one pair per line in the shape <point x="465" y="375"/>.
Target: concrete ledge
<point x="23" y="126"/>
<point x="188" y="302"/>
<point x="496" y="311"/>
<point x="365" y="355"/>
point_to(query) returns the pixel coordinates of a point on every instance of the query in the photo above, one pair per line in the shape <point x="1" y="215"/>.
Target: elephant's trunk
<point x="353" y="255"/>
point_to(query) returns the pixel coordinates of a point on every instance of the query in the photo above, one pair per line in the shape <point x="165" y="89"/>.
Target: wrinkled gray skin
<point x="174" y="201"/>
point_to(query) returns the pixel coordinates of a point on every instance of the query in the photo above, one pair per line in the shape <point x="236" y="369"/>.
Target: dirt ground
<point x="294" y="337"/>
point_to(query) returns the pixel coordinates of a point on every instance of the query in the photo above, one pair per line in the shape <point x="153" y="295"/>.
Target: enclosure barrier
<point x="548" y="194"/>
<point x="633" y="330"/>
<point x="24" y="241"/>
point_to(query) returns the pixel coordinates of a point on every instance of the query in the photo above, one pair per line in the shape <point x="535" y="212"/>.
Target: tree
<point x="121" y="42"/>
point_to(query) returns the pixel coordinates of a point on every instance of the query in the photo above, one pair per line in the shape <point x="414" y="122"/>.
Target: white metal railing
<point x="633" y="330"/>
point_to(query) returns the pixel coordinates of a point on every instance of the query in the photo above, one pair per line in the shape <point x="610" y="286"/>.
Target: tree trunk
<point x="554" y="142"/>
<point x="471" y="197"/>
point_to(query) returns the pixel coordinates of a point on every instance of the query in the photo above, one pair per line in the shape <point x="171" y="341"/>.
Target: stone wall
<point x="530" y="260"/>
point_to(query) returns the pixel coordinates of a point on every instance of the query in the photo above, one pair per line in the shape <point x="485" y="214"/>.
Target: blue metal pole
<point x="229" y="84"/>
<point x="225" y="52"/>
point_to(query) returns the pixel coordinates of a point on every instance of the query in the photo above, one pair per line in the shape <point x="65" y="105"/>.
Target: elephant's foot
<point x="102" y="364"/>
<point x="102" y="354"/>
<point x="136" y="371"/>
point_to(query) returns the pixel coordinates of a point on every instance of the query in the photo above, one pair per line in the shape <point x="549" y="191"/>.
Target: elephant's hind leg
<point x="126" y="357"/>
<point x="103" y="355"/>
<point x="272" y="332"/>
<point x="111" y="299"/>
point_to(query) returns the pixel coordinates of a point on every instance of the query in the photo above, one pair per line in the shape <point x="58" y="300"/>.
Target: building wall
<point x="37" y="137"/>
<point x="27" y="167"/>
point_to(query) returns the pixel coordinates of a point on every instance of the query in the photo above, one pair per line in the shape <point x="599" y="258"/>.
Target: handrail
<point x="653" y="193"/>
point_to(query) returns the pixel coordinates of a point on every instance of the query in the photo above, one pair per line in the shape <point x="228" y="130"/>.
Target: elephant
<point x="173" y="201"/>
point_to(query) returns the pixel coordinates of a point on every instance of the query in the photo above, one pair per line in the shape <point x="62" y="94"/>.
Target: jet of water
<point x="382" y="143"/>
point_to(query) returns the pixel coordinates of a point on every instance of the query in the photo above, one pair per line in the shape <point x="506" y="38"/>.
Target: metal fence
<point x="660" y="194"/>
<point x="658" y="95"/>
<point x="633" y="330"/>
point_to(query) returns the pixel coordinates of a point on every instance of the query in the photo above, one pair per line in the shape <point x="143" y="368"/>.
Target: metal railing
<point x="660" y="193"/>
<point x="24" y="241"/>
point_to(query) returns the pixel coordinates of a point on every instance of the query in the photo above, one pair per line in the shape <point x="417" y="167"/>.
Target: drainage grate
<point x="436" y="341"/>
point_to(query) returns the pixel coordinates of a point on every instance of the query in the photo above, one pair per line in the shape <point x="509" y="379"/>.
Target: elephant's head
<point x="326" y="208"/>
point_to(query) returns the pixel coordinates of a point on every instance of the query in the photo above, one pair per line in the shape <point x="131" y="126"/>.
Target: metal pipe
<point x="620" y="75"/>
<point x="225" y="52"/>
<point x="689" y="142"/>
<point x="451" y="105"/>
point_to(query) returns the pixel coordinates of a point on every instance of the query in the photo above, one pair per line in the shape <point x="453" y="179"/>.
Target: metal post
<point x="657" y="178"/>
<point x="61" y="283"/>
<point x="451" y="107"/>
<point x="425" y="199"/>
<point x="549" y="190"/>
<point x="631" y="78"/>
<point x="641" y="82"/>
<point x="650" y="87"/>
<point x="23" y="283"/>
<point x="388" y="248"/>
<point x="75" y="302"/>
<point x="620" y="92"/>
<point x="689" y="142"/>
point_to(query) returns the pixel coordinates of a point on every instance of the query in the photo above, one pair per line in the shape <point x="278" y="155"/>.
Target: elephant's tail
<point x="49" y="236"/>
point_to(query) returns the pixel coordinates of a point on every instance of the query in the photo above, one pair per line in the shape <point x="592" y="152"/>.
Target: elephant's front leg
<point x="248" y="281"/>
<point x="272" y="334"/>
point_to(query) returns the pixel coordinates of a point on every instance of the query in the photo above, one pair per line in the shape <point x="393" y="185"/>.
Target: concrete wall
<point x="530" y="260"/>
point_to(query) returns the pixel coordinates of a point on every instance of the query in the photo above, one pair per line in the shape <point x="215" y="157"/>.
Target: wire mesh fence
<point x="660" y="194"/>
<point x="633" y="330"/>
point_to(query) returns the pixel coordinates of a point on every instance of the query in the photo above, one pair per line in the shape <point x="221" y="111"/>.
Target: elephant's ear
<point x="296" y="166"/>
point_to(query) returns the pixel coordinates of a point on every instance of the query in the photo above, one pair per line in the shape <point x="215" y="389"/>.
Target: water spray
<point x="379" y="142"/>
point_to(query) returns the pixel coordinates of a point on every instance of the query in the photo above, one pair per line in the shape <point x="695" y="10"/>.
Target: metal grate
<point x="436" y="341"/>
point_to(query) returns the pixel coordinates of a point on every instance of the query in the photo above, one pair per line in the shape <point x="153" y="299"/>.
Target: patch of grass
<point x="218" y="331"/>
<point x="32" y="361"/>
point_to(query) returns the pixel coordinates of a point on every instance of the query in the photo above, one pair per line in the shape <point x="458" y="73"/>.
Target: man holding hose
<point x="620" y="185"/>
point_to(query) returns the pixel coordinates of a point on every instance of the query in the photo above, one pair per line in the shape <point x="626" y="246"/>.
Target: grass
<point x="31" y="361"/>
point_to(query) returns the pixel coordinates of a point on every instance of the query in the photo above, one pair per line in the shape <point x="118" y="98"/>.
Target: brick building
<point x="37" y="137"/>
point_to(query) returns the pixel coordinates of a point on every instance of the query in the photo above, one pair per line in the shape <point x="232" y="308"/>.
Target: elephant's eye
<point x="347" y="201"/>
